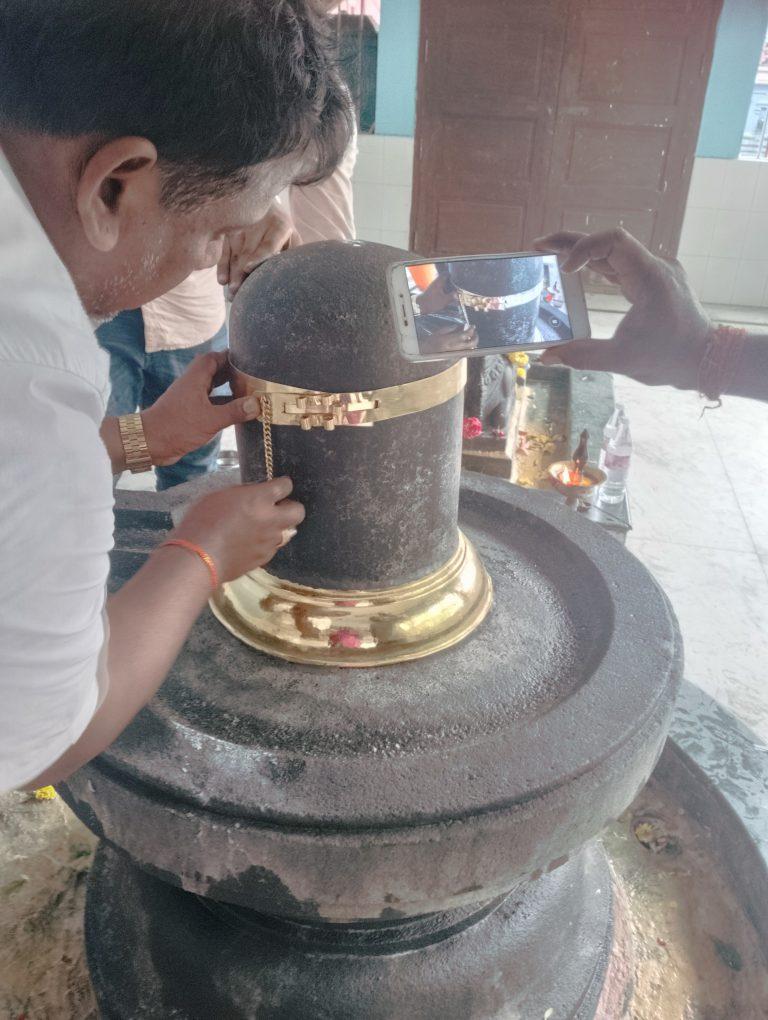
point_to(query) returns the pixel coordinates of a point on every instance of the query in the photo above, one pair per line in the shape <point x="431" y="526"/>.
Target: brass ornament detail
<point x="358" y="628"/>
<point x="309" y="409"/>
<point x="485" y="303"/>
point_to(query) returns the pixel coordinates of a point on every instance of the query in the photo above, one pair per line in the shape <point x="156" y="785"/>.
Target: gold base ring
<point x="358" y="628"/>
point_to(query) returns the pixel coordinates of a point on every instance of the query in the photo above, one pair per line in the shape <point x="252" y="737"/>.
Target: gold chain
<point x="266" y="423"/>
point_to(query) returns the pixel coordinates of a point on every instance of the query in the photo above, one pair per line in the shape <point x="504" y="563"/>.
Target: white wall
<point x="382" y="189"/>
<point x="724" y="244"/>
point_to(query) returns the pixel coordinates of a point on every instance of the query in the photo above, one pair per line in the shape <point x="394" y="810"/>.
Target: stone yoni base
<point x="542" y="948"/>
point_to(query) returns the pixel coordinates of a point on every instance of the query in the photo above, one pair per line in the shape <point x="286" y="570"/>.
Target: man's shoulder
<point x="32" y="343"/>
<point x="42" y="321"/>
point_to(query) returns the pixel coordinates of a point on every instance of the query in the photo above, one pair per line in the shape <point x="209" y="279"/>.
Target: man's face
<point x="158" y="246"/>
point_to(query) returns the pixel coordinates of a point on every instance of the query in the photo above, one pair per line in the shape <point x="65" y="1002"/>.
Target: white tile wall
<point x="382" y="189"/>
<point x="756" y="236"/>
<point x="719" y="280"/>
<point x="739" y="184"/>
<point x="728" y="235"/>
<point x="707" y="183"/>
<point x="724" y="244"/>
<point x="750" y="285"/>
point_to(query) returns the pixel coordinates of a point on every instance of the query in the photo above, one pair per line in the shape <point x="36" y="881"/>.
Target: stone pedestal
<point x="544" y="946"/>
<point x="353" y="801"/>
<point x="404" y="841"/>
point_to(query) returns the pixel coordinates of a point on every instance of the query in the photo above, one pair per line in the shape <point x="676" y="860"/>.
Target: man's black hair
<point x="217" y="85"/>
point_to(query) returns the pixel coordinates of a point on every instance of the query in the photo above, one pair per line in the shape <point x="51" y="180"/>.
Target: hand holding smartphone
<point x="485" y="304"/>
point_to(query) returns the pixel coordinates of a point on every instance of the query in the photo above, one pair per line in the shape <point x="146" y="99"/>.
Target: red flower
<point x="344" y="638"/>
<point x="473" y="428"/>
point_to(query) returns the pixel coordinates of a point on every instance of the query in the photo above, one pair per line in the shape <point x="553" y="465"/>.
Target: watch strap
<point x="137" y="456"/>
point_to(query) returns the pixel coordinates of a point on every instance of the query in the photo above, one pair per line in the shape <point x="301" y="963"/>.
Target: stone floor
<point x="699" y="502"/>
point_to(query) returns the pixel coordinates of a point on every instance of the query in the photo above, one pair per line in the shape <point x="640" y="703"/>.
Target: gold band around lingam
<point x="291" y="405"/>
<point x="486" y="303"/>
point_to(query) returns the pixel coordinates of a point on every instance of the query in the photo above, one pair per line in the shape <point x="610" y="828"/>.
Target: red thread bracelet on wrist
<point x="182" y="543"/>
<point x="721" y="361"/>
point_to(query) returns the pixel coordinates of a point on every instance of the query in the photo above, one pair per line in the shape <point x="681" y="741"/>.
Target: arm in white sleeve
<point x="56" y="525"/>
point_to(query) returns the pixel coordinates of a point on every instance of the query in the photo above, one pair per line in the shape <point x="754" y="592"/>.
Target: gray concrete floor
<point x="699" y="502"/>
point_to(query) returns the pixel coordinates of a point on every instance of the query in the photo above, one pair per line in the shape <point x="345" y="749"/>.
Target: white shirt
<point x="190" y="314"/>
<point x="56" y="518"/>
<point x="324" y="211"/>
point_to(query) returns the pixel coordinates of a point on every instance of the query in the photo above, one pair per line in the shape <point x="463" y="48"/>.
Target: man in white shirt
<point x="130" y="151"/>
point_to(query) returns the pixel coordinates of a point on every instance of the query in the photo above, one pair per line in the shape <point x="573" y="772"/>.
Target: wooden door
<point x="487" y="96"/>
<point x="631" y="93"/>
<point x="566" y="113"/>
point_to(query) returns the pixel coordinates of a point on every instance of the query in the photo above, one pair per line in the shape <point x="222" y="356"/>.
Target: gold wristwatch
<point x="137" y="458"/>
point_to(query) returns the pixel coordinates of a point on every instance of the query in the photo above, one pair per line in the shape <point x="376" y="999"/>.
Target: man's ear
<point x="119" y="177"/>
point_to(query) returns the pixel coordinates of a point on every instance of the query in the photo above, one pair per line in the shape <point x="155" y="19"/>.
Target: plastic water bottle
<point x="609" y="432"/>
<point x="611" y="428"/>
<point x="615" y="457"/>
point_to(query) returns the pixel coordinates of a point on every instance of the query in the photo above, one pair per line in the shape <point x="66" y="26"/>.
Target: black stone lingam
<point x="415" y="841"/>
<point x="501" y="297"/>
<point x="319" y="318"/>
<point x="379" y="573"/>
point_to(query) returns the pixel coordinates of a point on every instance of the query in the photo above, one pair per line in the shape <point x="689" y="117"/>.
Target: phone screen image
<point x="468" y="305"/>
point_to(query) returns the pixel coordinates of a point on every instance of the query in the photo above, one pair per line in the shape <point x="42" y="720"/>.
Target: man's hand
<point x="183" y="418"/>
<point x="245" y="249"/>
<point x="242" y="527"/>
<point x="661" y="340"/>
<point x="440" y="294"/>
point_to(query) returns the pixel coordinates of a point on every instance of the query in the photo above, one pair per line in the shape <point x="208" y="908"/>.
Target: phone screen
<point x="466" y="305"/>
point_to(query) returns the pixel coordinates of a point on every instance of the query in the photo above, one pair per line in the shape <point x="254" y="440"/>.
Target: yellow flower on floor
<point x="45" y="793"/>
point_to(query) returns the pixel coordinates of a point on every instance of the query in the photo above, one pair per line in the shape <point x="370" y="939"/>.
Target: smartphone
<point x="485" y="304"/>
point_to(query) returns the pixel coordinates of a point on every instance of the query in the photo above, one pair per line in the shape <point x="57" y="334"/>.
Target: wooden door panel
<point x="506" y="69"/>
<point x="631" y="93"/>
<point x="639" y="222"/>
<point x="474" y="147"/>
<point x="616" y="63"/>
<point x="575" y="114"/>
<point x="669" y="6"/>
<point x="485" y="122"/>
<point x="621" y="156"/>
<point x="479" y="227"/>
